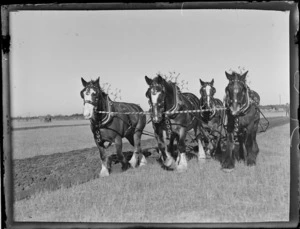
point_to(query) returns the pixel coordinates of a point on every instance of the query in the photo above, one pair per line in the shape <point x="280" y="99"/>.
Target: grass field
<point x="34" y="141"/>
<point x="34" y="138"/>
<point x="203" y="194"/>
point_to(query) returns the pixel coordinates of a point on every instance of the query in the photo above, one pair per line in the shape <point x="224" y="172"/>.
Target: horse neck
<point x="102" y="106"/>
<point x="170" y="98"/>
<point x="248" y="100"/>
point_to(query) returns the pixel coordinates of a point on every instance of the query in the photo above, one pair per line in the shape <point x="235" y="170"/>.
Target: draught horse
<point x="242" y="121"/>
<point x="112" y="127"/>
<point x="212" y="117"/>
<point x="165" y="99"/>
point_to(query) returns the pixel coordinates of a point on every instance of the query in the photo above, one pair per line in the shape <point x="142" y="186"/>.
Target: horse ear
<point x="229" y="76"/>
<point x="212" y="82"/>
<point x="244" y="76"/>
<point x="159" y="79"/>
<point x="84" y="83"/>
<point x="201" y="82"/>
<point x="148" y="80"/>
<point x="97" y="81"/>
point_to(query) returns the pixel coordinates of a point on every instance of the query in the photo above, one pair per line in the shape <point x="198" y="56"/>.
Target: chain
<point x="166" y="112"/>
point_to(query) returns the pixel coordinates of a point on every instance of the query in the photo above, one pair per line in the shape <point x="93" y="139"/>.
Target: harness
<point x="243" y="111"/>
<point x="176" y="107"/>
<point x="106" y="120"/>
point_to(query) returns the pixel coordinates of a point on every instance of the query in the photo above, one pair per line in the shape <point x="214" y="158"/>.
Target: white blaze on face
<point x="88" y="108"/>
<point x="207" y="89"/>
<point x="154" y="96"/>
<point x="154" y="99"/>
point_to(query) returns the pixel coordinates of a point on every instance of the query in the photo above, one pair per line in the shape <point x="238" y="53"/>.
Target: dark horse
<point x="112" y="127"/>
<point x="166" y="100"/>
<point x="212" y="117"/>
<point x="242" y="121"/>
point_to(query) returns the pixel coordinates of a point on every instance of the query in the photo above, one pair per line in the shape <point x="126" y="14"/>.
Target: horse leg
<point x="210" y="149"/>
<point x="252" y="147"/>
<point x="168" y="160"/>
<point x="181" y="159"/>
<point x="137" y="151"/>
<point x="104" y="160"/>
<point x="228" y="160"/>
<point x="201" y="151"/>
<point x="120" y="155"/>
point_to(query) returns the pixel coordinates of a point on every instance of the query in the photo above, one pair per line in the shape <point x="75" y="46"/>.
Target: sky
<point x="52" y="50"/>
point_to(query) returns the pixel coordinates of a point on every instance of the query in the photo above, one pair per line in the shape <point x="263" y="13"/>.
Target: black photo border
<point x="6" y="165"/>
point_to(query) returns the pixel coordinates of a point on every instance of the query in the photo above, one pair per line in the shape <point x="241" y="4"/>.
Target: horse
<point x="212" y="117"/>
<point x="242" y="121"/>
<point x="126" y="121"/>
<point x="166" y="100"/>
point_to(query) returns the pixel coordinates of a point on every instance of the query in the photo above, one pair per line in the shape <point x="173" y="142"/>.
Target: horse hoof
<point x="226" y="170"/>
<point x="181" y="169"/>
<point x="143" y="161"/>
<point x="251" y="163"/>
<point x="133" y="161"/>
<point x="208" y="156"/>
<point x="125" y="166"/>
<point x="201" y="159"/>
<point x="169" y="162"/>
<point x="132" y="164"/>
<point x="104" y="172"/>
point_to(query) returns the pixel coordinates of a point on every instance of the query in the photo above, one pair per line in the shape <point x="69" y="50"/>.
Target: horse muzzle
<point x="156" y="114"/>
<point x="235" y="108"/>
<point x="88" y="111"/>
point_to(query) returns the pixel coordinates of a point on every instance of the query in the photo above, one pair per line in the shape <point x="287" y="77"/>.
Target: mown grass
<point x="203" y="194"/>
<point x="45" y="141"/>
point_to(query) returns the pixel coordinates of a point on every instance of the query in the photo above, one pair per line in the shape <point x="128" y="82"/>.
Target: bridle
<point x="161" y="105"/>
<point x="246" y="105"/>
<point x="205" y="104"/>
<point x="94" y="101"/>
<point x="202" y="91"/>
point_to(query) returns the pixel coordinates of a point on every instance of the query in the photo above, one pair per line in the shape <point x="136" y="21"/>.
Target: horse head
<point x="157" y="95"/>
<point x="207" y="92"/>
<point x="236" y="92"/>
<point x="92" y="96"/>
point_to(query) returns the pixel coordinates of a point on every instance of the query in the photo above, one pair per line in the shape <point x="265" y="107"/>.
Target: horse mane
<point x="168" y="84"/>
<point x="94" y="84"/>
<point x="237" y="76"/>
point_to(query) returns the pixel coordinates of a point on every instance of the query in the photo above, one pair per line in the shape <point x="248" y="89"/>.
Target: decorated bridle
<point x="88" y="88"/>
<point x="153" y="89"/>
<point x="202" y="91"/>
<point x="161" y="104"/>
<point x="246" y="105"/>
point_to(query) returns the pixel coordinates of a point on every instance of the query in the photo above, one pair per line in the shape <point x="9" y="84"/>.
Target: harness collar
<point x="107" y="117"/>
<point x="176" y="104"/>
